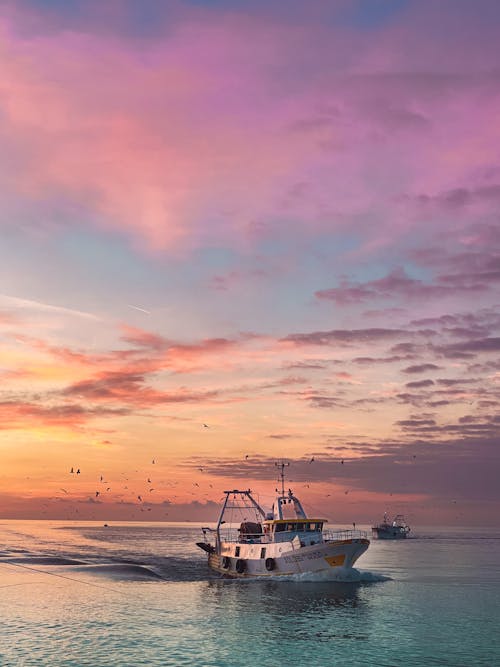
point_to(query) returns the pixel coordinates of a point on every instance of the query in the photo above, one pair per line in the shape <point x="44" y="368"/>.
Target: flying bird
<point x="97" y="493"/>
<point x="78" y="471"/>
<point x="205" y="426"/>
<point x="64" y="490"/>
<point x="312" y="459"/>
<point x="72" y="471"/>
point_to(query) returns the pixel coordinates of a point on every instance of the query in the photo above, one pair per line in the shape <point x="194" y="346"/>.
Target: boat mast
<point x="219" y="522"/>
<point x="282" y="465"/>
<point x="290" y="498"/>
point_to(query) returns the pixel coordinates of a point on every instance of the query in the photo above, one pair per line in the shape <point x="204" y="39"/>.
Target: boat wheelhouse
<point x="282" y="542"/>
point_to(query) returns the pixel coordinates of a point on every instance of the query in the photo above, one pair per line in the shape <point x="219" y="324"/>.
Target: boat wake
<point x="341" y="574"/>
<point x="60" y="566"/>
<point x="121" y="571"/>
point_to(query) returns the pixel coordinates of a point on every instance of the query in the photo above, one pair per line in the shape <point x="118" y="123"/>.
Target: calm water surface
<point x="78" y="594"/>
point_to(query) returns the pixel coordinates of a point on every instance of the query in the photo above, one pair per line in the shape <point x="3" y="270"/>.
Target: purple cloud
<point x="344" y="336"/>
<point x="397" y="284"/>
<point x="419" y="384"/>
<point x="420" y="368"/>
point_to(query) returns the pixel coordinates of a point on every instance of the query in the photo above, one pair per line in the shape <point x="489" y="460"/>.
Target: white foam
<point x="341" y="574"/>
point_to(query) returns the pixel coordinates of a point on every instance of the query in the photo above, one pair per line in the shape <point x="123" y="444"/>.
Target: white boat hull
<point x="283" y="559"/>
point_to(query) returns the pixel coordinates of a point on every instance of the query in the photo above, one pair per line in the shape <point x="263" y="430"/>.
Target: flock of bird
<point x="139" y="497"/>
<point x="103" y="481"/>
<point x="144" y="485"/>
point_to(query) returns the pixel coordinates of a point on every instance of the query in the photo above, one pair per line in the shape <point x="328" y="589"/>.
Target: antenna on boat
<point x="282" y="465"/>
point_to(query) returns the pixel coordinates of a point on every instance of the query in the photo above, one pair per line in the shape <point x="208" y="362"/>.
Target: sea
<point x="79" y="594"/>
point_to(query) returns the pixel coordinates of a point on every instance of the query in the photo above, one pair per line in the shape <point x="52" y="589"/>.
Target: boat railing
<point x="234" y="535"/>
<point x="338" y="535"/>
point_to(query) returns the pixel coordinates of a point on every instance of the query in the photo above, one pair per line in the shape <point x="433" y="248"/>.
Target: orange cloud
<point x="26" y="416"/>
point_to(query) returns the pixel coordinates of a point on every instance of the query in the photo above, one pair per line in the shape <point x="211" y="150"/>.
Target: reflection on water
<point x="275" y="596"/>
<point x="280" y="621"/>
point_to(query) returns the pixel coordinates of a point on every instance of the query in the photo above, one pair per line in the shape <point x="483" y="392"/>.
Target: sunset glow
<point x="233" y="233"/>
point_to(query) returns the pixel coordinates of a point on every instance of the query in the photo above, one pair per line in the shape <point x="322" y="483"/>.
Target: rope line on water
<point x="60" y="576"/>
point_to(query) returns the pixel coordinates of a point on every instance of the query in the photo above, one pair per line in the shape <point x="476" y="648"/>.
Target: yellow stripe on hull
<point x="335" y="561"/>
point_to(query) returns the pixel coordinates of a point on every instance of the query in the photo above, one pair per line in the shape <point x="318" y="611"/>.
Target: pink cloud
<point x="146" y="339"/>
<point x="207" y="133"/>
<point x="152" y="140"/>
<point x="126" y="388"/>
<point x="8" y="319"/>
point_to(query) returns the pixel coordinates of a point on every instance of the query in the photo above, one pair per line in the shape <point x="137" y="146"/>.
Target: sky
<point x="234" y="233"/>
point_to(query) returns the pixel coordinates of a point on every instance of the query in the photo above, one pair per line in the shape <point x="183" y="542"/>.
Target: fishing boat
<point x="397" y="529"/>
<point x="282" y="542"/>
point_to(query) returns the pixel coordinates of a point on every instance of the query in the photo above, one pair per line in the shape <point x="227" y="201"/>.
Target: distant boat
<point x="397" y="529"/>
<point x="282" y="542"/>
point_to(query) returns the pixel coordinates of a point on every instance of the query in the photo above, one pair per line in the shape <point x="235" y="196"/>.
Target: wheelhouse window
<point x="237" y="552"/>
<point x="302" y="527"/>
<point x="263" y="552"/>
